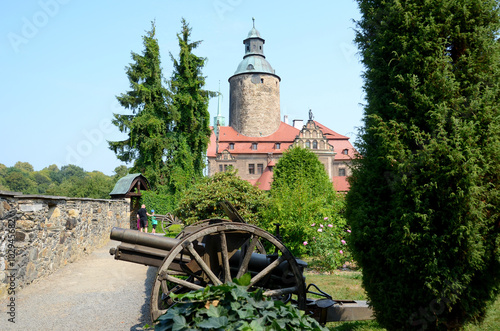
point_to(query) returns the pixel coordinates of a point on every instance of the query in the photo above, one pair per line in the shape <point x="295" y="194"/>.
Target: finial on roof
<point x="253" y="20"/>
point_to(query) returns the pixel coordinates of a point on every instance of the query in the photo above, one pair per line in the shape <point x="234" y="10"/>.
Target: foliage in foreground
<point x="231" y="307"/>
<point x="425" y="198"/>
<point x="200" y="202"/>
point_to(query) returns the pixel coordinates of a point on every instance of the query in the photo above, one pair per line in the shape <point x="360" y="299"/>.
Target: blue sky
<point x="63" y="62"/>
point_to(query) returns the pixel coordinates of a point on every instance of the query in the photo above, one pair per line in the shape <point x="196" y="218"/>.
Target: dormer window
<point x="254" y="146"/>
<point x="345" y="151"/>
<point x="277" y="146"/>
<point x="231" y="146"/>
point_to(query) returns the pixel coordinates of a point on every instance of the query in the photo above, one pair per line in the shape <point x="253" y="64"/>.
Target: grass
<point x="347" y="285"/>
<point x="172" y="231"/>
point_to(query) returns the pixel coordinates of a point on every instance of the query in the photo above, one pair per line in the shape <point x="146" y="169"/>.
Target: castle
<point x="256" y="137"/>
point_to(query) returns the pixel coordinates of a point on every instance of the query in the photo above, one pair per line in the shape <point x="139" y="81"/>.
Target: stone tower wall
<point x="254" y="104"/>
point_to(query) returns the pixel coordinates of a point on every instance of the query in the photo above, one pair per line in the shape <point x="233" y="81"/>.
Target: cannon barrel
<point x="143" y="239"/>
<point x="142" y="248"/>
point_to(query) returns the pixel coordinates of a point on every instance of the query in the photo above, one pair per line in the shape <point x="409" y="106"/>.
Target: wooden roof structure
<point x="130" y="186"/>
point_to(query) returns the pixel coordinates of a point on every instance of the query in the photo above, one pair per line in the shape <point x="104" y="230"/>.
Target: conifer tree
<point x="150" y="129"/>
<point x="190" y="100"/>
<point x="424" y="199"/>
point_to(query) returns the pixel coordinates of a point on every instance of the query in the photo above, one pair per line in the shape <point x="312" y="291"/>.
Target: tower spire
<point x="253" y="21"/>
<point x="219" y="120"/>
<point x="219" y="100"/>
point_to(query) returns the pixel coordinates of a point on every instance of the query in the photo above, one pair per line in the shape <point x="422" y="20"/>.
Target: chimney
<point x="298" y="124"/>
<point x="285" y="119"/>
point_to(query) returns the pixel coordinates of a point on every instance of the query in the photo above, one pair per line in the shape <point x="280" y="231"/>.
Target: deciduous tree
<point x="301" y="194"/>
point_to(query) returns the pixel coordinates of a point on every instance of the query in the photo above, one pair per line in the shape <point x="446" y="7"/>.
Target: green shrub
<point x="162" y="203"/>
<point x="424" y="203"/>
<point x="328" y="245"/>
<point x="200" y="202"/>
<point x="231" y="307"/>
<point x="301" y="194"/>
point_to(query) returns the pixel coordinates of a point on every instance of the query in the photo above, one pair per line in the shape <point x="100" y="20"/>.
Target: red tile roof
<point x="264" y="181"/>
<point x="340" y="183"/>
<point x="285" y="135"/>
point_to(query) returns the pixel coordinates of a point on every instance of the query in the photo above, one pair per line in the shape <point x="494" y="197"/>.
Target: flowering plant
<point x="328" y="244"/>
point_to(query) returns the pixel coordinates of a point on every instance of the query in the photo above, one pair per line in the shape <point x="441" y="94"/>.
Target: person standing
<point x="143" y="214"/>
<point x="154" y="221"/>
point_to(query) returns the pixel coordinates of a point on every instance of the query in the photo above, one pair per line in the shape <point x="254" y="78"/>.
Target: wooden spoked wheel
<point x="167" y="222"/>
<point x="218" y="253"/>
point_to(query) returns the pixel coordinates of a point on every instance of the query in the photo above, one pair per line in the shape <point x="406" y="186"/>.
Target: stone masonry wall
<point x="254" y="104"/>
<point x="39" y="234"/>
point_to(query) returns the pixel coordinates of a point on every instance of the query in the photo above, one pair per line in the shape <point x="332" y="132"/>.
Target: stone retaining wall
<point x="39" y="234"/>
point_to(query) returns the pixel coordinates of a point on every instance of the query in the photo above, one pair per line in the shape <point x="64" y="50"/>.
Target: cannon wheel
<point x="201" y="224"/>
<point x="216" y="269"/>
<point x="167" y="222"/>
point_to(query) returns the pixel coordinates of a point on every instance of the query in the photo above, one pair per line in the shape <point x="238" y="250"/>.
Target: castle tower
<point x="254" y="92"/>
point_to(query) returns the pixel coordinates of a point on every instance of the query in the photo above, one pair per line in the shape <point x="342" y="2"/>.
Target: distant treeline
<point x="69" y="181"/>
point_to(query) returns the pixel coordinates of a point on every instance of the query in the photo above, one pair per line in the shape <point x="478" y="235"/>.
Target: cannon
<point x="216" y="251"/>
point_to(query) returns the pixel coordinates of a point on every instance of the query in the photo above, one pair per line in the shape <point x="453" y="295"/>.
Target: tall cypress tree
<point x="424" y="199"/>
<point x="150" y="129"/>
<point x="190" y="100"/>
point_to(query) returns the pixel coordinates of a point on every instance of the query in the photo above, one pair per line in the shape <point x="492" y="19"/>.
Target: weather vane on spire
<point x="253" y="20"/>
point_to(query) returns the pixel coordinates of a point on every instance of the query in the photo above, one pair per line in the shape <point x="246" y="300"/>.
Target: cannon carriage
<point x="216" y="251"/>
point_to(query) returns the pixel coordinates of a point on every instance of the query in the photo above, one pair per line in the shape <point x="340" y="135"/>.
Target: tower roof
<point x="253" y="33"/>
<point x="254" y="60"/>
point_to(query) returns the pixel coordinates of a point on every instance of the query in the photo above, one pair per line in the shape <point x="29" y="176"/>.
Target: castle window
<point x="315" y="144"/>
<point x="345" y="151"/>
<point x="262" y="80"/>
<point x="251" y="169"/>
<point x="308" y="144"/>
<point x="277" y="146"/>
<point x="225" y="167"/>
<point x="250" y="67"/>
<point x="231" y="146"/>
<point x="221" y="168"/>
<point x="248" y="48"/>
<point x="342" y="172"/>
<point x="260" y="168"/>
<point x="254" y="146"/>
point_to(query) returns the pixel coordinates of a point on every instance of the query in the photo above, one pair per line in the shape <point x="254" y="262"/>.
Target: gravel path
<point x="96" y="292"/>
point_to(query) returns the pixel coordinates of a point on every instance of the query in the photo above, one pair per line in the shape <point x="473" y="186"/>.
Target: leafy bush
<point x="162" y="203"/>
<point x="328" y="245"/>
<point x="301" y="193"/>
<point x="201" y="200"/>
<point x="231" y="307"/>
